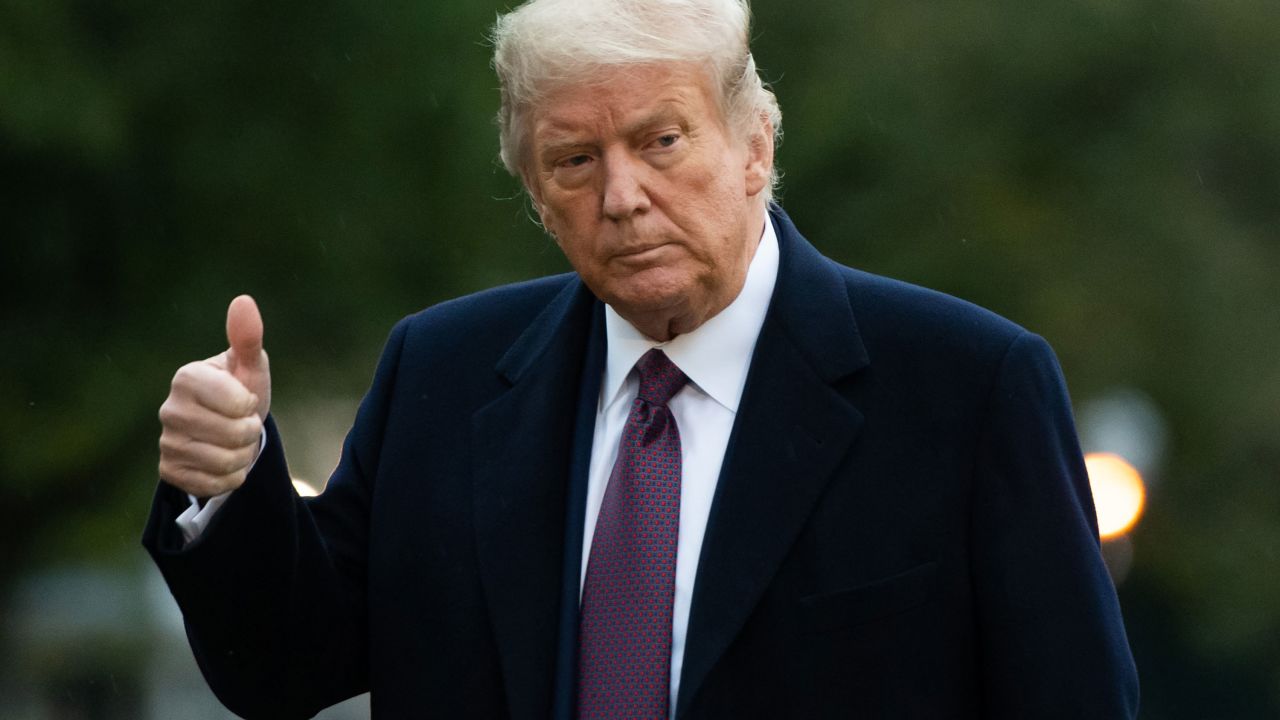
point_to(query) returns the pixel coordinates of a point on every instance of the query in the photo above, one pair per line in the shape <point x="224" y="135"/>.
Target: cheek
<point x="556" y="224"/>
<point x="576" y="239"/>
<point x="719" y="188"/>
<point x="569" y="212"/>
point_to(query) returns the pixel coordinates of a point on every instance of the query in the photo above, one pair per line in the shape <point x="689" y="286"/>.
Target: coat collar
<point x="811" y="306"/>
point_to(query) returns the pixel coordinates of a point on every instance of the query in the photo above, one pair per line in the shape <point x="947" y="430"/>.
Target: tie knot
<point x="660" y="379"/>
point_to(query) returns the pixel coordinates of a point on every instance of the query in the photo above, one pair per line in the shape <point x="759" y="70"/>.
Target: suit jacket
<point x="902" y="528"/>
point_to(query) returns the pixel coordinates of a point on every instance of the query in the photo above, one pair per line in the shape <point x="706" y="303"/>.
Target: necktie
<point x="624" y="663"/>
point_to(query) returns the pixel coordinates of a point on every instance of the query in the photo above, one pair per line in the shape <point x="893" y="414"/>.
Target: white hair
<point x="545" y="44"/>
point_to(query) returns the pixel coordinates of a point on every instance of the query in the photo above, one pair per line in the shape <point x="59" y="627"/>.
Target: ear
<point x="759" y="167"/>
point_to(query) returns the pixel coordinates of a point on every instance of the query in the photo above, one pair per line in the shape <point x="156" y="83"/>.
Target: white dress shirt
<point x="715" y="357"/>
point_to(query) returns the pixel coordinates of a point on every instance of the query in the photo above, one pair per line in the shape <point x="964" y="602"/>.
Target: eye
<point x="574" y="161"/>
<point x="666" y="141"/>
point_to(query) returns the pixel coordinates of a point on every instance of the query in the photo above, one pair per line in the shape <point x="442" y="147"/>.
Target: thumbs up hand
<point x="211" y="423"/>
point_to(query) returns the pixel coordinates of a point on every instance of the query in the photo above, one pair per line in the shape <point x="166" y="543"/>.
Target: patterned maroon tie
<point x="624" y="667"/>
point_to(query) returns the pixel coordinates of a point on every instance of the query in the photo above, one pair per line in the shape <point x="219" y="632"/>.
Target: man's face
<point x="655" y="202"/>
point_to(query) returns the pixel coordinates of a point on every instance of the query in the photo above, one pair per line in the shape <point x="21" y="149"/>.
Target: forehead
<point x="621" y="99"/>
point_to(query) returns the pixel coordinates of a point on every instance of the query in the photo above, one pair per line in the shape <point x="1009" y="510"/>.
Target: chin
<point x="629" y="305"/>
<point x="651" y="291"/>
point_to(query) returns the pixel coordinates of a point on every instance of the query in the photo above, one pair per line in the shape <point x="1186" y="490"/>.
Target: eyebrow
<point x="560" y="139"/>
<point x="663" y="114"/>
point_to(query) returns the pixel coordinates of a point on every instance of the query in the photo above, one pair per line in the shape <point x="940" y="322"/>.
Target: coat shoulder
<point x="896" y="321"/>
<point x="898" y="314"/>
<point x="515" y="304"/>
<point x="485" y="322"/>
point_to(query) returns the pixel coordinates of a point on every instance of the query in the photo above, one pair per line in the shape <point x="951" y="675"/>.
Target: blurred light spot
<point x="305" y="489"/>
<point x="1127" y="422"/>
<point x="1118" y="493"/>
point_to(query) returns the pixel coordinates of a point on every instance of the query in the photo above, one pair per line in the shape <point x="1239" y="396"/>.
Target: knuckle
<point x="231" y="465"/>
<point x="207" y="465"/>
<point x="218" y="462"/>
<point x="168" y="413"/>
<point x="173" y="444"/>
<point x="175" y="476"/>
<point x="210" y="486"/>
<point x="184" y="377"/>
<point x="252" y="430"/>
<point x="218" y="484"/>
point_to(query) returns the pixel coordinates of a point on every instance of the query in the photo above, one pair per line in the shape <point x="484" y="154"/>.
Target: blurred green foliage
<point x="1105" y="173"/>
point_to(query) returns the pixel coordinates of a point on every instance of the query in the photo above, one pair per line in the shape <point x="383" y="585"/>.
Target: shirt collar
<point x="717" y="354"/>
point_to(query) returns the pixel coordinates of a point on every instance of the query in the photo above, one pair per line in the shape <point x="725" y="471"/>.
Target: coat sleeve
<point x="273" y="593"/>
<point x="1052" y="639"/>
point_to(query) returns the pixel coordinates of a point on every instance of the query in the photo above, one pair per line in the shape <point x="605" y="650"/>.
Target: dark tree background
<point x="1104" y="173"/>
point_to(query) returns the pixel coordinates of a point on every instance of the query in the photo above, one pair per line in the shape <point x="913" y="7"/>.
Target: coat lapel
<point x="523" y="446"/>
<point x="791" y="432"/>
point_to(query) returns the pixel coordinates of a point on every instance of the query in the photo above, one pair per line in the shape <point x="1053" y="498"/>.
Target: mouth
<point x="641" y="254"/>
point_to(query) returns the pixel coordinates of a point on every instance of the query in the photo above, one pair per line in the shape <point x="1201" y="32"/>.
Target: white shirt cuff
<point x="195" y="519"/>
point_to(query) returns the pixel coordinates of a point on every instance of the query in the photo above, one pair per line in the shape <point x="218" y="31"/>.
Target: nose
<point x="624" y="187"/>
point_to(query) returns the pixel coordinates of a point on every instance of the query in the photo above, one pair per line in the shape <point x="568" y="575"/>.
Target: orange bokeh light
<point x="1118" y="493"/>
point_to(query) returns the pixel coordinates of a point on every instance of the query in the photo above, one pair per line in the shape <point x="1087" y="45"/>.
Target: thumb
<point x="244" y="336"/>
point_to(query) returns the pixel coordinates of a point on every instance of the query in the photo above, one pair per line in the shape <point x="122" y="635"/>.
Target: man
<point x="710" y="474"/>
